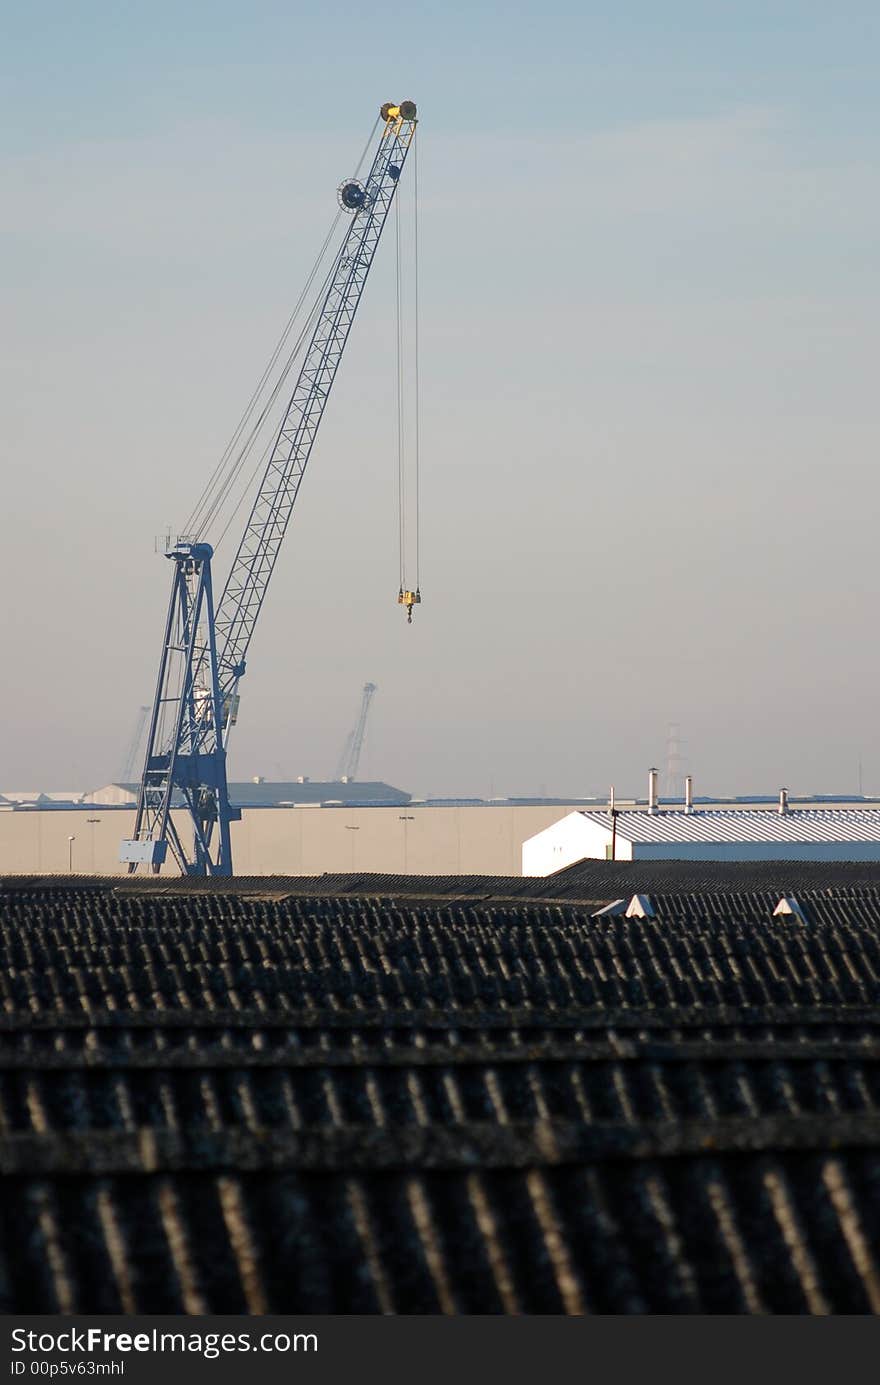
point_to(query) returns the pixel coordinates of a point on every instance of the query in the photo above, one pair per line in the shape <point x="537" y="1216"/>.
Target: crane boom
<point x="267" y="523"/>
<point x="134" y="745"/>
<point x="203" y="652"/>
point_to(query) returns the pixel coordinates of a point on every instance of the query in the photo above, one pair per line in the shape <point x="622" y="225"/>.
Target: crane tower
<point x="205" y="646"/>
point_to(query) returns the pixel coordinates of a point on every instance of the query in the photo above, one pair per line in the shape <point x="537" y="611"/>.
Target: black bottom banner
<point x="427" y="1349"/>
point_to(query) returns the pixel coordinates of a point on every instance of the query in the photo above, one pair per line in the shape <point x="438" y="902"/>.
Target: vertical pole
<point x="224" y="855"/>
<point x="189" y="615"/>
<point x="154" y="718"/>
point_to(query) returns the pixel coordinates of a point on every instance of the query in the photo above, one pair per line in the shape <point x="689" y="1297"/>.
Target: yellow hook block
<point x="409" y="599"/>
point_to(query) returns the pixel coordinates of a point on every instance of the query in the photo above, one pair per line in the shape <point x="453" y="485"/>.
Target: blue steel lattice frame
<point x="203" y="653"/>
<point x="186" y="758"/>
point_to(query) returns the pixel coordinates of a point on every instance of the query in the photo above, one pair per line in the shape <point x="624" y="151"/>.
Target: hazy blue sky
<point x="649" y="363"/>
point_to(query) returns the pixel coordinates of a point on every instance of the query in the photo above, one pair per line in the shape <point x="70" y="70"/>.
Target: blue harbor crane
<point x="205" y="646"/>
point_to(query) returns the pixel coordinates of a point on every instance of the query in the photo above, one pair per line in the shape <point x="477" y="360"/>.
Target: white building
<point x="745" y="834"/>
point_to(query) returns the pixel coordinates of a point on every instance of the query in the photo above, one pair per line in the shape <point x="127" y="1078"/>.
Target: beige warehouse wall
<point x="415" y="840"/>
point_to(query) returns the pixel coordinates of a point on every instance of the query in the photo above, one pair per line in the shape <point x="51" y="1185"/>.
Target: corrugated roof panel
<point x="741" y="825"/>
<point x="371" y="1104"/>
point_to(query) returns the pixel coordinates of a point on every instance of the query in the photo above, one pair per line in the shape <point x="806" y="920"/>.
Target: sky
<point x="648" y="327"/>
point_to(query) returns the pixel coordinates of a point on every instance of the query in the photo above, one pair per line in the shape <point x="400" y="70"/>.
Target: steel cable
<point x="305" y="332"/>
<point x="416" y="423"/>
<point x="403" y="437"/>
<point x="401" y="477"/>
<point x="205" y="506"/>
<point x="219" y="486"/>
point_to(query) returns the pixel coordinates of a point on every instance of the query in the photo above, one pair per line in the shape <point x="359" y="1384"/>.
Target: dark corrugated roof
<point x="334" y="956"/>
<point x="281" y="886"/>
<point x="358" y="1103"/>
<point x="609" y="879"/>
<point x="741" y="888"/>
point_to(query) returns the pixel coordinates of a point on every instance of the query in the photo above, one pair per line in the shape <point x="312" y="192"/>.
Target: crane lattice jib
<point x="255" y="560"/>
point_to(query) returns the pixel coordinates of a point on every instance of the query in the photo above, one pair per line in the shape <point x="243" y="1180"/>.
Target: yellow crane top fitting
<point x="409" y="599"/>
<point x="405" y="111"/>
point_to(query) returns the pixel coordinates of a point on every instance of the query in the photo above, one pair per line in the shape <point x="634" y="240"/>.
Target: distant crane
<point x="204" y="649"/>
<point x="673" y="778"/>
<point x="350" y="758"/>
<point x="134" y="745"/>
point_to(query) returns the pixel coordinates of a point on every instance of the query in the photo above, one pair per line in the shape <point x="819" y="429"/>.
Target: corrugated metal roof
<point x="742" y="825"/>
<point x="730" y="886"/>
<point x="213" y="1104"/>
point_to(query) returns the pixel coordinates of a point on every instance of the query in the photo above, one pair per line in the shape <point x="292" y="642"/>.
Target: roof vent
<point x="640" y="907"/>
<point x="652" y="790"/>
<point x="783" y="800"/>
<point x="688" y="794"/>
<point x="617" y="906"/>
<point x="788" y="906"/>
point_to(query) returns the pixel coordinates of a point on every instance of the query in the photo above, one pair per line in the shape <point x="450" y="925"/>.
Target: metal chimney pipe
<point x="652" y="790"/>
<point x="689" y="793"/>
<point x="783" y="800"/>
<point x="611" y="806"/>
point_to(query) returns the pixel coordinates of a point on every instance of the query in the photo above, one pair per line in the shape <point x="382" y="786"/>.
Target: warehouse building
<point x="739" y="834"/>
<point x="303" y="827"/>
<point x="403" y="839"/>
<point x="296" y="827"/>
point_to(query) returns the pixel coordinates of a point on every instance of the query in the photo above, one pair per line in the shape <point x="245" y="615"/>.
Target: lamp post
<point x="70" y="842"/>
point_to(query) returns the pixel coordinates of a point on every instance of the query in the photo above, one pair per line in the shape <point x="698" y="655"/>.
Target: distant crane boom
<point x="134" y="745"/>
<point x="350" y="758"/>
<point x="203" y="652"/>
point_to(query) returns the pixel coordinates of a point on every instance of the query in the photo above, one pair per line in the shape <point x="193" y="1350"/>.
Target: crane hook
<point x="409" y="599"/>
